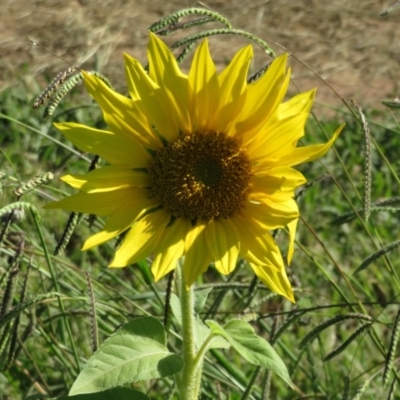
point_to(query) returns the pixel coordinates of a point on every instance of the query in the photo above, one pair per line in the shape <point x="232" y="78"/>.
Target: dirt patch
<point x="346" y="43"/>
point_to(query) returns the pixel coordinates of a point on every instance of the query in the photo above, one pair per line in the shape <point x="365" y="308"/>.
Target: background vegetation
<point x="345" y="269"/>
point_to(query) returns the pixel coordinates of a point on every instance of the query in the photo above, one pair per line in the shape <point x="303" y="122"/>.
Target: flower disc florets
<point x="201" y="175"/>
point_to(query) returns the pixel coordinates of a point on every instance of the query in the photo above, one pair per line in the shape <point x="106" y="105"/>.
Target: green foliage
<point x="251" y="347"/>
<point x="115" y="393"/>
<point x="343" y="310"/>
<point x="136" y="352"/>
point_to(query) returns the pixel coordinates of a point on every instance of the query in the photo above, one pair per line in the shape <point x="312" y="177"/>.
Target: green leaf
<point x="202" y="332"/>
<point x="176" y="308"/>
<point x="200" y="298"/>
<point x="136" y="352"/>
<point x="114" y="393"/>
<point x="251" y="347"/>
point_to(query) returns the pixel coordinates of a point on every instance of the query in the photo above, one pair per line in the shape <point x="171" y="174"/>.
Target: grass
<point x="52" y="332"/>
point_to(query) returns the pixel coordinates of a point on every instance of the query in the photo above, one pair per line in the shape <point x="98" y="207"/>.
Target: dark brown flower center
<point x="201" y="175"/>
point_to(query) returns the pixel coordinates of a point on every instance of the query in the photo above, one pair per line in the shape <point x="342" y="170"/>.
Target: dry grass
<point x="347" y="43"/>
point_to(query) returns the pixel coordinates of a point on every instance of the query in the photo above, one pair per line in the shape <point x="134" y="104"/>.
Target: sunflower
<point x="198" y="166"/>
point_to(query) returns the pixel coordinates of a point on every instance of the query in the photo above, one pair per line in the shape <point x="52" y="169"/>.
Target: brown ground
<point x="346" y="42"/>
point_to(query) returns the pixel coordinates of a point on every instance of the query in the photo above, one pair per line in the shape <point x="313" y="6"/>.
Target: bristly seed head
<point x="201" y="175"/>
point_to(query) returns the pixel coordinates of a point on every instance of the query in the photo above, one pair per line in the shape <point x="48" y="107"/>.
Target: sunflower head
<point x="201" y="176"/>
<point x="199" y="165"/>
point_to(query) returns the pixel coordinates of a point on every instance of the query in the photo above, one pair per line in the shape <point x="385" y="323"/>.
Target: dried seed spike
<point x="8" y="219"/>
<point x="5" y="211"/>
<point x="251" y="292"/>
<point x="185" y="52"/>
<point x="183" y="25"/>
<point x="392" y="349"/>
<point x="167" y="308"/>
<point x="29" y="329"/>
<point x="53" y="86"/>
<point x="72" y="223"/>
<point x="257" y="75"/>
<point x="310" y="184"/>
<point x="392" y="388"/>
<point x="367" y="160"/>
<point x="385" y="202"/>
<point x="390" y="9"/>
<point x="382" y="251"/>
<point x="3" y="175"/>
<point x="224" y="31"/>
<point x="171" y="21"/>
<point x="73" y="220"/>
<point x="120" y="238"/>
<point x="33" y="184"/>
<point x="60" y="92"/>
<point x="14" y="336"/>
<point x="360" y="389"/>
<point x="12" y="279"/>
<point x="349" y="216"/>
<point x="4" y="340"/>
<point x="289" y="321"/>
<point x="347" y="342"/>
<point x="250" y="317"/>
<point x="9" y="291"/>
<point x="331" y="321"/>
<point x="91" y="219"/>
<point x="93" y="320"/>
<point x="27" y="304"/>
<point x="392" y="103"/>
<point x="94" y="162"/>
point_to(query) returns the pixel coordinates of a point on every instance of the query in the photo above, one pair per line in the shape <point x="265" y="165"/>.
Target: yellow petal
<point x="233" y="84"/>
<point x="104" y="203"/>
<point x="224" y="244"/>
<point x="256" y="243"/>
<point x="274" y="141"/>
<point x="298" y="104"/>
<point x="280" y="180"/>
<point x="122" y="219"/>
<point x="142" y="239"/>
<point x="170" y="248"/>
<point x="121" y="114"/>
<point x="197" y="259"/>
<point x="271" y="215"/>
<point x="277" y="281"/>
<point x="107" y="179"/>
<point x="204" y="82"/>
<point x="154" y="104"/>
<point x="164" y="70"/>
<point x="308" y="153"/>
<point x="117" y="150"/>
<point x="264" y="96"/>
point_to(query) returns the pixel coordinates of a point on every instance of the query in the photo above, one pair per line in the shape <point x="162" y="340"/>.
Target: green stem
<point x="203" y="349"/>
<point x="189" y="382"/>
